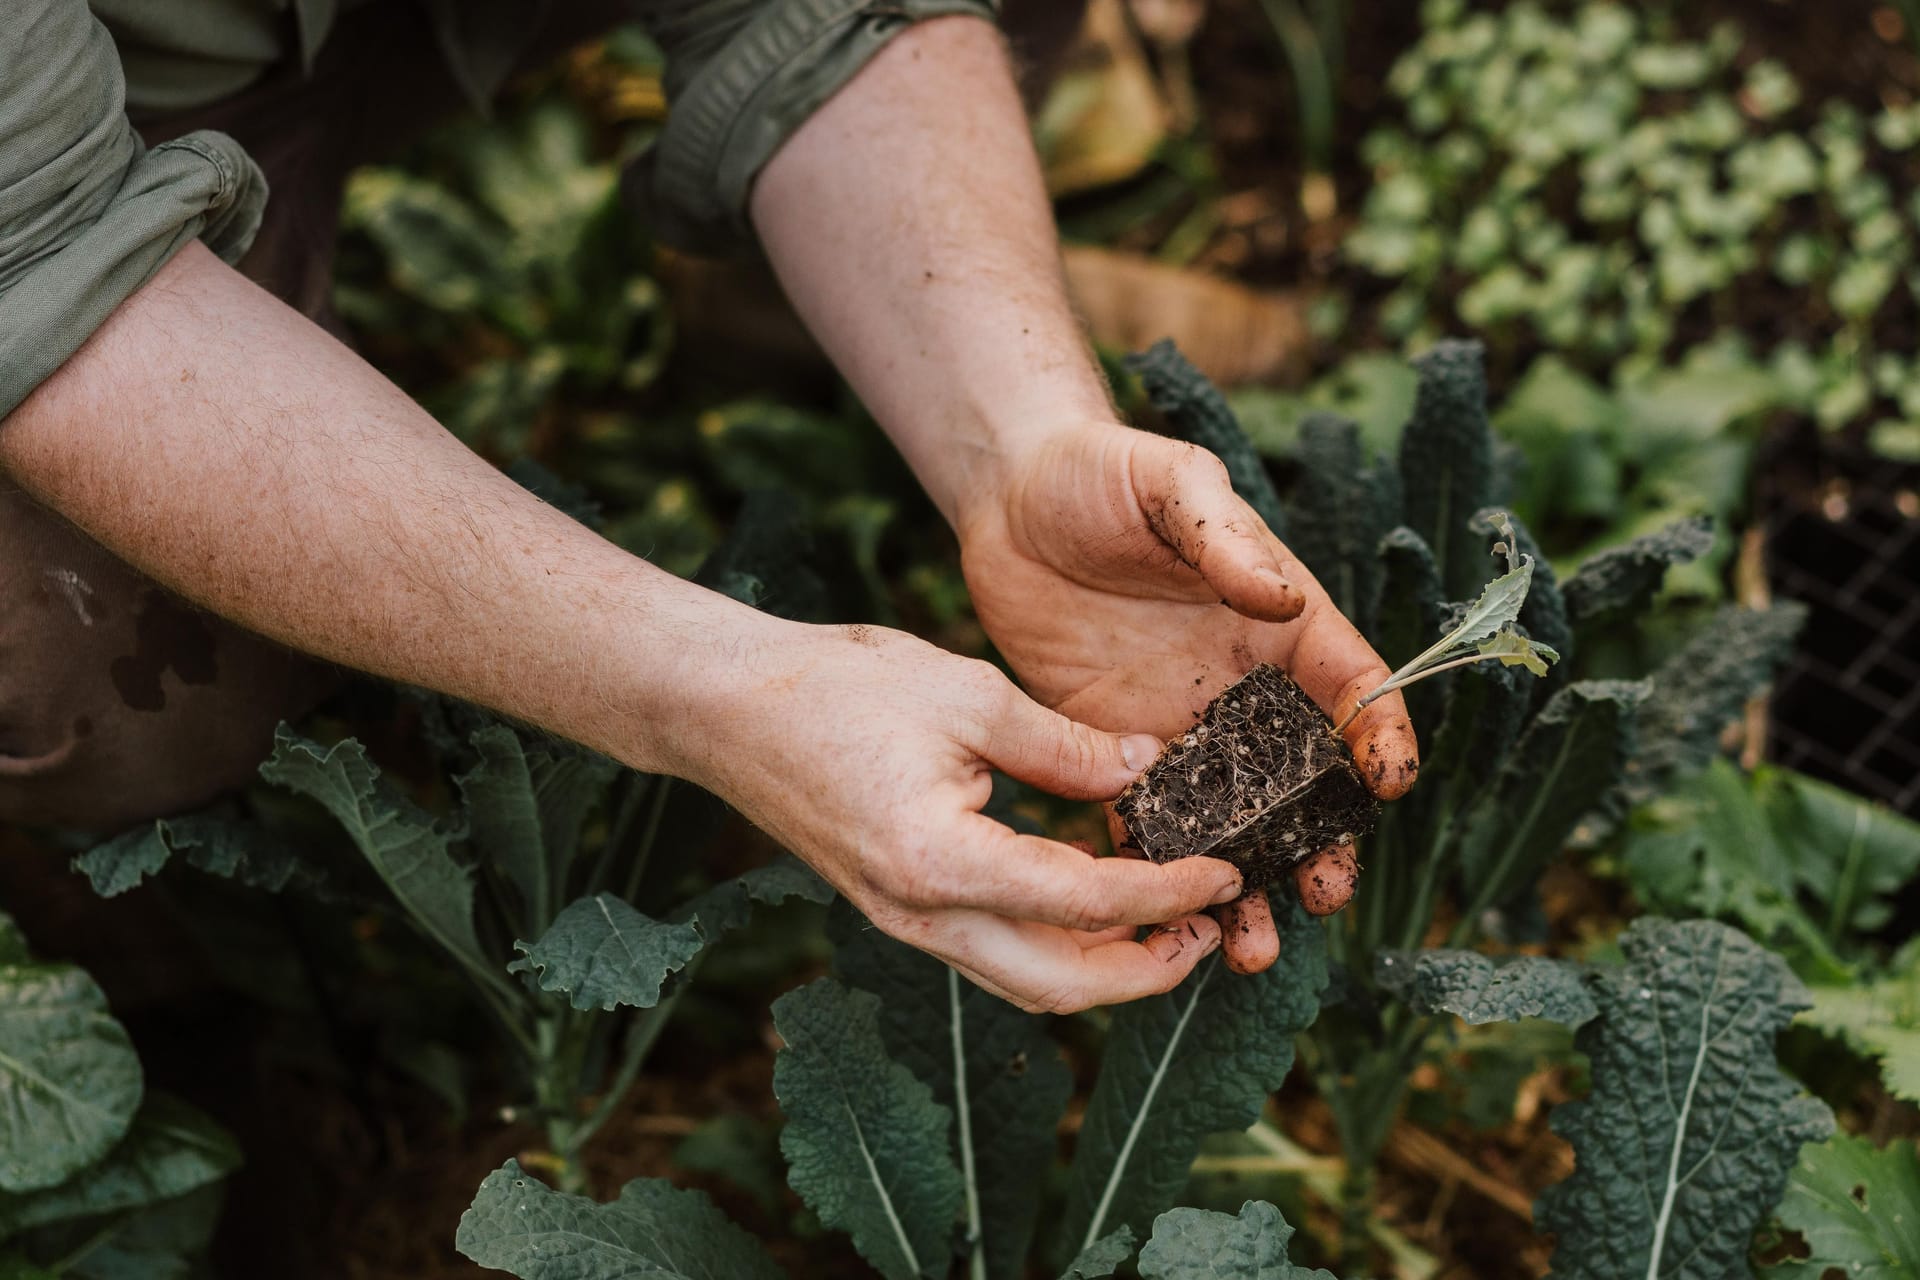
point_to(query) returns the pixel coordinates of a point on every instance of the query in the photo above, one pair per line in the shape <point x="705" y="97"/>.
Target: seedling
<point x="1265" y="778"/>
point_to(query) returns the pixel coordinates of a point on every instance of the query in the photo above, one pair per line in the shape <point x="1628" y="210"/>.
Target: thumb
<point x="1064" y="757"/>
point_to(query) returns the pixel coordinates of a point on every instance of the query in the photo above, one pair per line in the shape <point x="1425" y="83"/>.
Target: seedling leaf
<point x="603" y="954"/>
<point x="1478" y="990"/>
<point x="1198" y="1244"/>
<point x="1691" y="1127"/>
<point x="1199" y="1060"/>
<point x="866" y="1144"/>
<point x="1484" y="630"/>
<point x="70" y="1081"/>
<point x="1857" y="1209"/>
<point x="654" y="1231"/>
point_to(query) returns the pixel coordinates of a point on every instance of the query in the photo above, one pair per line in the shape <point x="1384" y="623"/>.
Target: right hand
<point x="868" y="753"/>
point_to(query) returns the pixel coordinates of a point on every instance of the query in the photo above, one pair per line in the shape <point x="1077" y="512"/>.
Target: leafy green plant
<point x="1855" y="1208"/>
<point x="1512" y="770"/>
<point x="100" y="1178"/>
<point x="506" y="243"/>
<point x="526" y="880"/>
<point x="1587" y="181"/>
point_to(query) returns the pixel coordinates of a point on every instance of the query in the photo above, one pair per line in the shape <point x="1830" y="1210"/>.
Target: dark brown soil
<point x="1262" y="782"/>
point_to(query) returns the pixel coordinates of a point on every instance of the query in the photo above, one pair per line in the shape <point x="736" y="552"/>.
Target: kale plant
<point x="1513" y="770"/>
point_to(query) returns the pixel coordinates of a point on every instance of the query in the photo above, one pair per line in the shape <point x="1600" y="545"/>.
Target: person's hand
<point x="868" y="753"/>
<point x="1127" y="584"/>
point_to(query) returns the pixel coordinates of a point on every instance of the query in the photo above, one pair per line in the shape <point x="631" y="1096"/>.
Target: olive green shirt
<point x="88" y="213"/>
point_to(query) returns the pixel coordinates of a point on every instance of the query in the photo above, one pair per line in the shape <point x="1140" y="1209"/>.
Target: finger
<point x="1041" y="969"/>
<point x="1336" y="667"/>
<point x="1030" y="878"/>
<point x="1249" y="939"/>
<point x="1190" y="503"/>
<point x="1060" y="756"/>
<point x="1327" y="880"/>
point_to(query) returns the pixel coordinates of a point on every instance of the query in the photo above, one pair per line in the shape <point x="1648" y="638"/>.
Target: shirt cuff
<point x="87" y="213"/>
<point x="750" y="97"/>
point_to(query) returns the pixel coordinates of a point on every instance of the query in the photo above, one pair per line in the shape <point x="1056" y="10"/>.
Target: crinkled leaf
<point x="1624" y="578"/>
<point x="1476" y="989"/>
<point x="1198" y="1244"/>
<point x="1703" y="688"/>
<point x="603" y="954"/>
<point x="1101" y="1258"/>
<point x="1857" y="1209"/>
<point x="1344" y="503"/>
<point x="397" y="838"/>
<point x="1879" y="1018"/>
<point x="171" y="1149"/>
<point x="944" y="1029"/>
<point x="654" y="1231"/>
<point x="1447" y="451"/>
<point x="729" y="905"/>
<point x="216" y="842"/>
<point x="70" y="1081"/>
<point x="1691" y="1127"/>
<point x="1565" y="762"/>
<point x="866" y="1144"/>
<point x="1177" y="1067"/>
<point x="1197" y="412"/>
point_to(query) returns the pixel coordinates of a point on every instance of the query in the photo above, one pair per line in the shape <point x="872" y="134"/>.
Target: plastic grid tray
<point x="1847" y="708"/>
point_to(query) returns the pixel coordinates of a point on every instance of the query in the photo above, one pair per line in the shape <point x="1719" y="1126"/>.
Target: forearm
<point x="909" y="224"/>
<point x="232" y="450"/>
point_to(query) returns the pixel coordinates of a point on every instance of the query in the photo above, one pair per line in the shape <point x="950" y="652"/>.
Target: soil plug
<point x="1265" y="779"/>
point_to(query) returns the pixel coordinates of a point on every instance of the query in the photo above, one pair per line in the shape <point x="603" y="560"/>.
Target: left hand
<point x="1127" y="584"/>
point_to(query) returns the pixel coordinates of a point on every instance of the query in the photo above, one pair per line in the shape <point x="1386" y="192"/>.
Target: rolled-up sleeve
<point x="87" y="212"/>
<point x="742" y="75"/>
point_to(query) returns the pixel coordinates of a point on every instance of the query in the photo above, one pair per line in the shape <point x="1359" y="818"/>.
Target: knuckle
<point x="1062" y="999"/>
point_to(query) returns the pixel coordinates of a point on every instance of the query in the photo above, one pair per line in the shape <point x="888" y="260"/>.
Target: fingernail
<point x="1274" y="578"/>
<point x="1228" y="894"/>
<point x="1139" y="750"/>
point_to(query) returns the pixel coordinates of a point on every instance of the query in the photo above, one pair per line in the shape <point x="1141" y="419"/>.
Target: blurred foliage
<point x="1586" y="181"/>
<point x="496" y="273"/>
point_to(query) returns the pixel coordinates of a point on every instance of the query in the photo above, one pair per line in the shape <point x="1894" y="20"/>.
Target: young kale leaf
<point x="1478" y="990"/>
<point x="1198" y="1244"/>
<point x="654" y="1231"/>
<point x="992" y="1065"/>
<point x="1177" y="1067"/>
<point x="1691" y="1127"/>
<point x="1101" y="1258"/>
<point x="866" y="1144"/>
<point x="603" y="954"/>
